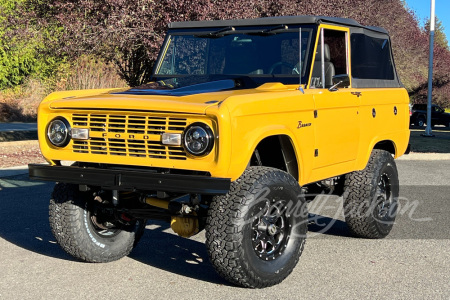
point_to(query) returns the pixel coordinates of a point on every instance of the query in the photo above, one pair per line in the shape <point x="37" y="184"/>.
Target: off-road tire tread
<point x="359" y="188"/>
<point x="65" y="216"/>
<point x="225" y="225"/>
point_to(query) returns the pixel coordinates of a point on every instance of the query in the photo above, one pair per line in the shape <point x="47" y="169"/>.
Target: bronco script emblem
<point x="301" y="124"/>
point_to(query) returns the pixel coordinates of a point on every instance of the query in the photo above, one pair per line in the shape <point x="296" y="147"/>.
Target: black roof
<point x="284" y="20"/>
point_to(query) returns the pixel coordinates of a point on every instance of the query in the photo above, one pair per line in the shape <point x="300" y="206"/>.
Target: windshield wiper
<point x="218" y="33"/>
<point x="270" y="31"/>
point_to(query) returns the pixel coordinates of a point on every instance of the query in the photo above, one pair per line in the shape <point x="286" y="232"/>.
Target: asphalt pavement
<point x="18" y="126"/>
<point x="412" y="263"/>
<point x="17" y="131"/>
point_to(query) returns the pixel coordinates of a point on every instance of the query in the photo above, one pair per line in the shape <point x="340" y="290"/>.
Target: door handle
<point x="357" y="94"/>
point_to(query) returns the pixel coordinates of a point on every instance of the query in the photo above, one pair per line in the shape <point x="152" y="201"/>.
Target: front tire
<point x="84" y="233"/>
<point x="371" y="197"/>
<point x="256" y="233"/>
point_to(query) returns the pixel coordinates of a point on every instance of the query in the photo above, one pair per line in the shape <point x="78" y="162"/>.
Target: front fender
<point x="246" y="140"/>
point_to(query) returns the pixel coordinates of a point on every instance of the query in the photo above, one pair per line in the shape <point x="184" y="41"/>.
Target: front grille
<point x="128" y="135"/>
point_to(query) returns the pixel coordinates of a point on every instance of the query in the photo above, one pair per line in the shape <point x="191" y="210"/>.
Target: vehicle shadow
<point x="188" y="257"/>
<point x="24" y="223"/>
<point x="24" y="216"/>
<point x="162" y="249"/>
<point x="321" y="225"/>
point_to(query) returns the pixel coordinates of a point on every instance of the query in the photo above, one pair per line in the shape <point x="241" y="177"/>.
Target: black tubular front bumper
<point x="131" y="180"/>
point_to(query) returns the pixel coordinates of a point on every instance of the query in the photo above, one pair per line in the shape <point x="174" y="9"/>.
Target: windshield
<point x="257" y="55"/>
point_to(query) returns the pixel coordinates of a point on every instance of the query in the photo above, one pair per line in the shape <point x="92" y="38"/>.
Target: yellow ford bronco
<point x="242" y="121"/>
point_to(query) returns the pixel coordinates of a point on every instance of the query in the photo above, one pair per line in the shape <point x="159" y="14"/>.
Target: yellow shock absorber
<point x="183" y="226"/>
<point x="164" y="204"/>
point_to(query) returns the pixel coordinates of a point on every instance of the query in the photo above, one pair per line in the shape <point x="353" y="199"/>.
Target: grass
<point x="20" y="104"/>
<point x="90" y="73"/>
<point x="440" y="143"/>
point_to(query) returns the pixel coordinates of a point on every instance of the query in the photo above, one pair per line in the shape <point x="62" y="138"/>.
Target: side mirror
<point x="340" y="81"/>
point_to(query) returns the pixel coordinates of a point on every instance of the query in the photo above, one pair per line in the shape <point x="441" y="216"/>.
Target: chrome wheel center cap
<point x="271" y="229"/>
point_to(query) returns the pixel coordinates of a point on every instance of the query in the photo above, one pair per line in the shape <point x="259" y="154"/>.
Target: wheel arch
<point x="382" y="144"/>
<point x="386" y="145"/>
<point x="277" y="151"/>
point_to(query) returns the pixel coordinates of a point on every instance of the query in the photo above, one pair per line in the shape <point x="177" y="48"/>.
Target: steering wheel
<point x="282" y="63"/>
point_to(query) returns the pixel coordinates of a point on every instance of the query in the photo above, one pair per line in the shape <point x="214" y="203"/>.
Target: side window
<point x="371" y="58"/>
<point x="331" y="60"/>
<point x="437" y="109"/>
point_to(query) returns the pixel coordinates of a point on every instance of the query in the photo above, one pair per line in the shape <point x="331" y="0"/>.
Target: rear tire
<point x="421" y="122"/>
<point x="256" y="233"/>
<point x="371" y="197"/>
<point x="78" y="231"/>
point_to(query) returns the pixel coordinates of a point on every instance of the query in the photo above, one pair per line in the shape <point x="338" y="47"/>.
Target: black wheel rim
<point x="270" y="230"/>
<point x="102" y="225"/>
<point x="384" y="198"/>
<point x="105" y="228"/>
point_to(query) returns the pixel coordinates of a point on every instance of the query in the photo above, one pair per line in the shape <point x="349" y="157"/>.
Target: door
<point x="336" y="111"/>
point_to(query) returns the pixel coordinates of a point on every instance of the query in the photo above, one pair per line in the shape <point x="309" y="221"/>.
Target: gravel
<point x="20" y="153"/>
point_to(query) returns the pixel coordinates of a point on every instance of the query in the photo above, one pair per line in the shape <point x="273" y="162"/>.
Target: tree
<point x="15" y="62"/>
<point x="439" y="34"/>
<point x="23" y="48"/>
<point x="129" y="33"/>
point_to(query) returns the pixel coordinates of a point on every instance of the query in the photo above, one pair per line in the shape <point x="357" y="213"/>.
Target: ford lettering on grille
<point x="128" y="135"/>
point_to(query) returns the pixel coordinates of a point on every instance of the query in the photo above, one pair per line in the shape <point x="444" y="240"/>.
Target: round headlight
<point x="198" y="139"/>
<point x="58" y="132"/>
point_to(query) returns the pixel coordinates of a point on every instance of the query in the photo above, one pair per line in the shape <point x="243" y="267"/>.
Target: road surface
<point x="18" y="126"/>
<point x="412" y="263"/>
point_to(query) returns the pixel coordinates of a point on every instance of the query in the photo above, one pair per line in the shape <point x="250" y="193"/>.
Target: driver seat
<point x="330" y="71"/>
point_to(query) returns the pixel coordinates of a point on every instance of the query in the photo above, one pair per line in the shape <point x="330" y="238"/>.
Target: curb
<point x="13" y="171"/>
<point x="425" y="156"/>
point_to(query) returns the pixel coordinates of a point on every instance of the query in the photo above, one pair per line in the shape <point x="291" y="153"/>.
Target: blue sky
<point x="423" y="7"/>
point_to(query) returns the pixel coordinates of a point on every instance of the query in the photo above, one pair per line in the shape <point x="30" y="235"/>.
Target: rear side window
<point x="371" y="58"/>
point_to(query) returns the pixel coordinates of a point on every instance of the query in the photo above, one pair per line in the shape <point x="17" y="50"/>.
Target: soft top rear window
<point x="371" y="57"/>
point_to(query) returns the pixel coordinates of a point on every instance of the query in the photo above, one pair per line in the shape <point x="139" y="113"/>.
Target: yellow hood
<point x="114" y="100"/>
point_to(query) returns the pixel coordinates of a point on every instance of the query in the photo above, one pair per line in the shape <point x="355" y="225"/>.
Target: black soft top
<point x="284" y="20"/>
